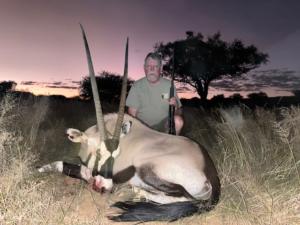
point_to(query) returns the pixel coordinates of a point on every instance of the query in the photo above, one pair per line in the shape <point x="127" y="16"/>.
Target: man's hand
<point x="172" y="101"/>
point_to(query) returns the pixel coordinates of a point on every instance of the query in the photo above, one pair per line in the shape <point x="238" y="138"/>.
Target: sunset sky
<point x="41" y="44"/>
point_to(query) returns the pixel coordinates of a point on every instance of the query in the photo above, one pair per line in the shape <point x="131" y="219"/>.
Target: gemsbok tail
<point x="151" y="211"/>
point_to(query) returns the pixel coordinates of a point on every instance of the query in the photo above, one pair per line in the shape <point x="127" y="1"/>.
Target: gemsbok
<point x="175" y="174"/>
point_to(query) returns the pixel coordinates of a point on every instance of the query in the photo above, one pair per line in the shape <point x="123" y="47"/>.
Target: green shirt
<point x="151" y="100"/>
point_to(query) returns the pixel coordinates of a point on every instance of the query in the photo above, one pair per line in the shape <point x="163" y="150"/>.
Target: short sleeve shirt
<point x="151" y="101"/>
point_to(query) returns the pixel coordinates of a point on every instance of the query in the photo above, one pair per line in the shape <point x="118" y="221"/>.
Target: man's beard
<point x="152" y="77"/>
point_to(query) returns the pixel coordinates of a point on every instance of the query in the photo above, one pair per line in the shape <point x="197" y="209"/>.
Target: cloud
<point x="284" y="80"/>
<point x="182" y="89"/>
<point x="58" y="86"/>
<point x="70" y="84"/>
<point x="76" y="82"/>
<point x="29" y="83"/>
<point x="57" y="83"/>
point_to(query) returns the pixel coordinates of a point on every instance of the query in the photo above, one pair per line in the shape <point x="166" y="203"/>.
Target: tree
<point x="296" y="93"/>
<point x="217" y="99"/>
<point x="6" y="86"/>
<point x="198" y="61"/>
<point x="109" y="86"/>
<point x="236" y="97"/>
<point x="258" y="96"/>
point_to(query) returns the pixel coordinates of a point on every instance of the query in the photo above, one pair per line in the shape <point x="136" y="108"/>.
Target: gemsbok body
<point x="176" y="175"/>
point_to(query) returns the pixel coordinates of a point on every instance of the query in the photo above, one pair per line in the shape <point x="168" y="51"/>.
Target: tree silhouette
<point x="258" y="96"/>
<point x="109" y="86"/>
<point x="218" y="99"/>
<point x="236" y="97"/>
<point x="6" y="86"/>
<point x="296" y="93"/>
<point x="198" y="61"/>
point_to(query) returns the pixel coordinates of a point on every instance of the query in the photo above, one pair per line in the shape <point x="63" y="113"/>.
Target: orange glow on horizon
<point x="74" y="92"/>
<point x="40" y="90"/>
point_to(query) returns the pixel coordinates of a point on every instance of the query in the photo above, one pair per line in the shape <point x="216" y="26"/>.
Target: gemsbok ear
<point x="75" y="135"/>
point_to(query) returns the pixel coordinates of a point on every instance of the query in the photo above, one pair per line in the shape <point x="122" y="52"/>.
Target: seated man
<point x="148" y="98"/>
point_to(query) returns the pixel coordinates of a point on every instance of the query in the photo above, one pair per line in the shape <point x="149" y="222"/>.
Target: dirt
<point x="82" y="205"/>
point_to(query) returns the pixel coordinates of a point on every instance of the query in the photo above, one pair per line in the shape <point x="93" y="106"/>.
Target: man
<point x="148" y="98"/>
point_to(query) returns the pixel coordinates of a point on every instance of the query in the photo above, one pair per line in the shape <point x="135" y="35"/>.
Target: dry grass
<point x="258" y="161"/>
<point x="257" y="156"/>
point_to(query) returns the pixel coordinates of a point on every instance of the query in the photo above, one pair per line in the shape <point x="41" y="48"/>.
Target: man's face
<point x="152" y="70"/>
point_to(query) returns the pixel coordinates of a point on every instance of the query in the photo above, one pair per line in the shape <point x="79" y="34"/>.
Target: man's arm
<point x="132" y="111"/>
<point x="178" y="108"/>
<point x="178" y="111"/>
<point x="133" y="101"/>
